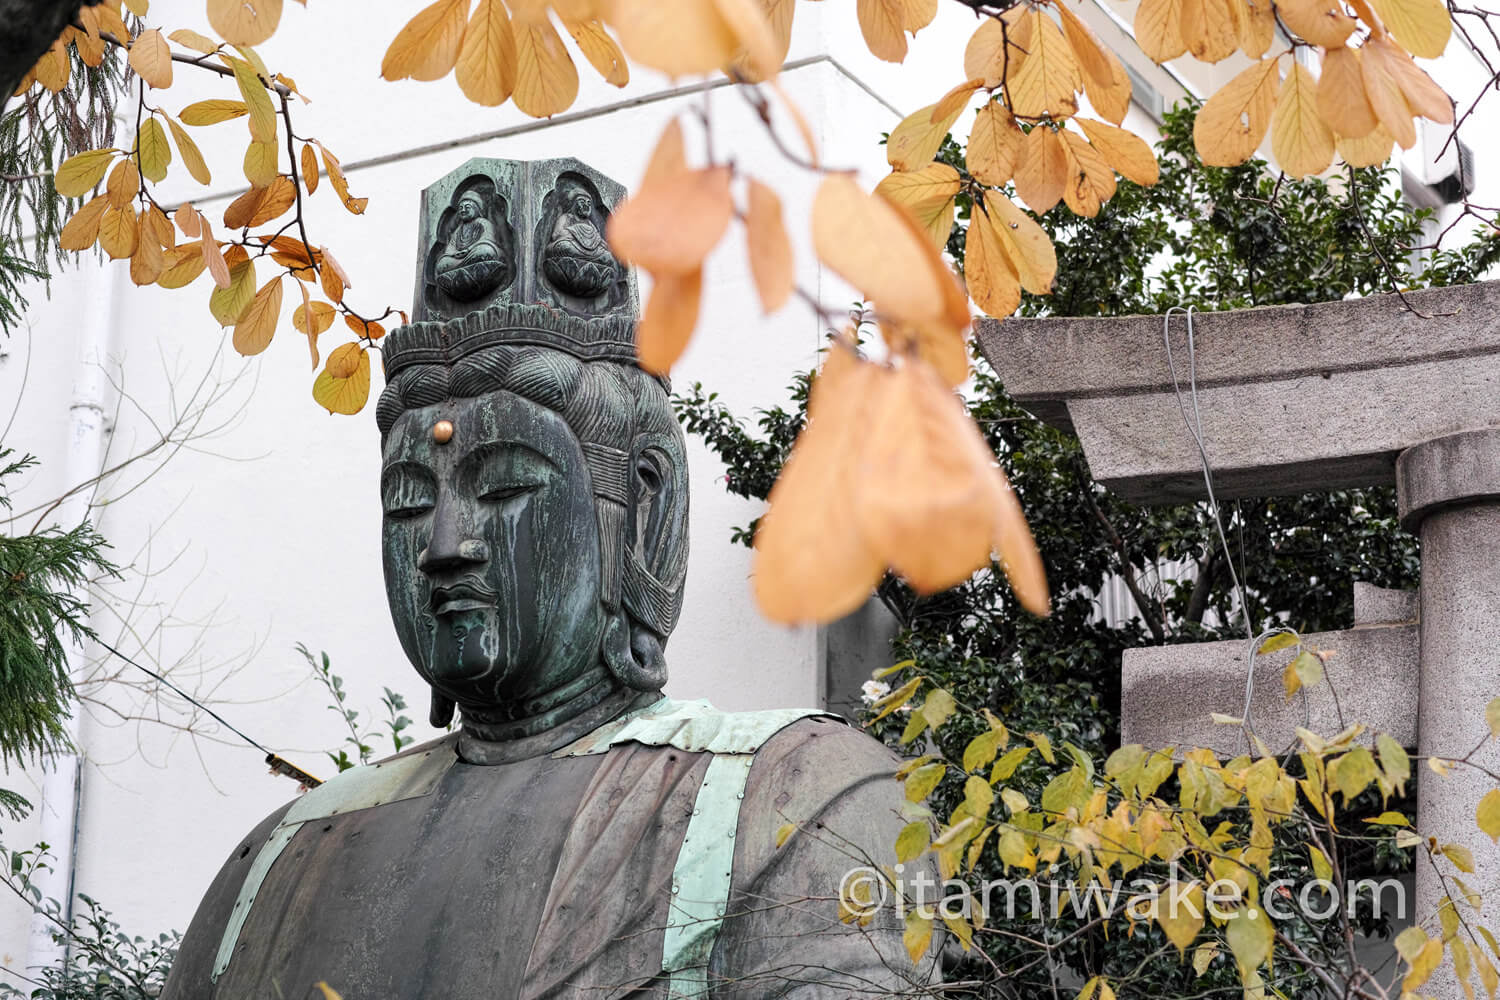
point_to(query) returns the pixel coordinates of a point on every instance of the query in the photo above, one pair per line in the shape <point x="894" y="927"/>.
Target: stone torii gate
<point x="1295" y="398"/>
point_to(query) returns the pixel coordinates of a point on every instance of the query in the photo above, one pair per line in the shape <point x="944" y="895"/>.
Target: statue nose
<point x="437" y="557"/>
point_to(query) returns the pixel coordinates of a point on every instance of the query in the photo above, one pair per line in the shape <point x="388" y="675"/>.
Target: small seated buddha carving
<point x="577" y="259"/>
<point x="472" y="263"/>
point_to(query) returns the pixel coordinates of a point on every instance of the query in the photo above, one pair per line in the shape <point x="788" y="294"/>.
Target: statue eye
<point x="406" y="497"/>
<point x="509" y="492"/>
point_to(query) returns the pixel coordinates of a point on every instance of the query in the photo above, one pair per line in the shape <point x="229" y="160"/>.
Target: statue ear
<point x="633" y="654"/>
<point x="659" y="544"/>
<point x="440" y="715"/>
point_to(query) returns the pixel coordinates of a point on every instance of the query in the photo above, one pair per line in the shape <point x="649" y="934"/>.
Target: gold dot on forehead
<point x="442" y="431"/>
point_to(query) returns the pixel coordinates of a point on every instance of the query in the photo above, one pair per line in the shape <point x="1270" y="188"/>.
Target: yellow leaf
<point x="118" y="232"/>
<point x="1091" y="180"/>
<point x="154" y="151"/>
<point x="1422" y="26"/>
<point x="192" y="156"/>
<point x="151" y="58"/>
<point x="987" y="55"/>
<point x="212" y="112"/>
<point x="54" y="68"/>
<point x="769" y="248"/>
<point x="1320" y="866"/>
<point x="1258" y="28"/>
<point x="332" y="277"/>
<point x="678" y="37"/>
<point x="915" y="141"/>
<point x="920" y="782"/>
<point x="756" y="47"/>
<point x="356" y="206"/>
<point x="309" y="168"/>
<point x="1158" y="29"/>
<point x="995" y="145"/>
<point x="182" y="266"/>
<point x="917" y="934"/>
<point x="913" y="840"/>
<point x="546" y="79"/>
<point x="778" y="16"/>
<point x="880" y="23"/>
<point x="939" y="528"/>
<point x="261" y="163"/>
<point x="78" y="174"/>
<point x="670" y="226"/>
<point x="1341" y="96"/>
<point x="1125" y="151"/>
<point x="257" y="102"/>
<point x="328" y="991"/>
<point x="228" y="302"/>
<point x="877" y="248"/>
<point x="784" y="831"/>
<point x="1322" y="22"/>
<point x="1461" y="856"/>
<point x="259" y="205"/>
<point x="486" y="70"/>
<point x="124" y="183"/>
<point x="600" y="50"/>
<point x="1049" y="79"/>
<point x="668" y="320"/>
<point x="956" y="99"/>
<point x="1234" y="121"/>
<point x="322" y="318"/>
<point x="1179" y="911"/>
<point x="257" y="325"/>
<point x="244" y="22"/>
<point x="811" y="561"/>
<point x="1423" y="964"/>
<point x="1492" y="719"/>
<point x="427" y="47"/>
<point x="1042" y="170"/>
<point x="1488" y="813"/>
<point x="83" y="228"/>
<point x="1250" y="935"/>
<point x="1371" y="151"/>
<point x="347" y="391"/>
<point x="1211" y="28"/>
<point x="928" y="195"/>
<point x="192" y="40"/>
<point x="1104" y="78"/>
<point x="992" y="279"/>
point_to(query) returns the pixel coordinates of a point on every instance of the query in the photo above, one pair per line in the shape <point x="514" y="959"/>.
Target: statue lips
<point x="462" y="597"/>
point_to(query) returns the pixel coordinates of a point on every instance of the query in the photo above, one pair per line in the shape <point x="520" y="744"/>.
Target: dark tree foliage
<point x="1213" y="238"/>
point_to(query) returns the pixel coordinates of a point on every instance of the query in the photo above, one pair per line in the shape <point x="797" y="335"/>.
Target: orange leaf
<point x="991" y="275"/>
<point x="600" y="50"/>
<point x="487" y="61"/>
<point x="667" y="323"/>
<point x="1322" y="22"/>
<point x="334" y="279"/>
<point x="670" y="227"/>
<point x="756" y="47"/>
<point x="83" y="228"/>
<point x="188" y="220"/>
<point x="1258" y="28"/>
<point x="1104" y="78"/>
<point x="1422" y="95"/>
<point x="1042" y="172"/>
<point x="1050" y="78"/>
<point x="1091" y="180"/>
<point x="213" y="259"/>
<point x="1126" y="152"/>
<point x="1300" y="140"/>
<point x="1030" y="249"/>
<point x="876" y="247"/>
<point x="118" y="232"/>
<point x="1158" y="29"/>
<point x="148" y="262"/>
<point x="811" y="561"/>
<point x="54" y="68"/>
<point x="1341" y="95"/>
<point x="364" y="327"/>
<point x="769" y="248"/>
<point x="778" y="14"/>
<point x="344" y="384"/>
<point x="157" y="226"/>
<point x="987" y="55"/>
<point x="309" y="168"/>
<point x="880" y="23"/>
<point x="915" y="141"/>
<point x="679" y="37"/>
<point x="546" y="79"/>
<point x="1211" y="28"/>
<point x="427" y="47"/>
<point x="124" y="183"/>
<point x="928" y="195"/>
<point x="244" y="22"/>
<point x="667" y="158"/>
<point x="151" y="58"/>
<point x="995" y="144"/>
<point x="257" y="325"/>
<point x="1234" y="121"/>
<point x="956" y="99"/>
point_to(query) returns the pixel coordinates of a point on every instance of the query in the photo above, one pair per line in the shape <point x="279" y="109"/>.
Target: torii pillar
<point x="1295" y="398"/>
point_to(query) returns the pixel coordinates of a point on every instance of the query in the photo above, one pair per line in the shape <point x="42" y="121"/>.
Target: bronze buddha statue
<point x="579" y="835"/>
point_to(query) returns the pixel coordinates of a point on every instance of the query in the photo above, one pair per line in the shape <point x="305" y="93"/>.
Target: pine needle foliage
<point x="42" y="578"/>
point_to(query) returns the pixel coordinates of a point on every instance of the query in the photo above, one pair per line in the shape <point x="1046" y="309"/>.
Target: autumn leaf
<point x="1042" y="170"/>
<point x="1026" y="243"/>
<point x="1050" y="78"/>
<point x="82" y="229"/>
<point x="78" y="174"/>
<point x="260" y="205"/>
<point x="228" y="302"/>
<point x="914" y="142"/>
<point x="118" y="232"/>
<point x="1342" y="103"/>
<point x="987" y="55"/>
<point x="876" y="247"/>
<point x="244" y="22"/>
<point x="486" y="69"/>
<point x="213" y="112"/>
<point x="148" y="261"/>
<point x="1104" y="79"/>
<point x="427" y="47"/>
<point x="154" y="152"/>
<point x="1258" y="29"/>
<point x="546" y="79"/>
<point x="811" y="561"/>
<point x="192" y="156"/>
<point x="1300" y="140"/>
<point x="1125" y="151"/>
<point x="769" y="248"/>
<point x="757" y="48"/>
<point x="683" y="37"/>
<point x="257" y="324"/>
<point x="356" y="206"/>
<point x="928" y="194"/>
<point x="262" y="161"/>
<point x="257" y="102"/>
<point x="1091" y="180"/>
<point x="1423" y="26"/>
<point x="189" y="39"/>
<point x="1211" y="29"/>
<point x="993" y="282"/>
<point x="183" y="264"/>
<point x="1234" y="121"/>
<point x="151" y="58"/>
<point x="1322" y="22"/>
<point x="670" y="226"/>
<point x="1158" y="29"/>
<point x="343" y="386"/>
<point x="667" y="321"/>
<point x="880" y="22"/>
<point x="995" y="145"/>
<point x="600" y="50"/>
<point x="1371" y="151"/>
<point x="124" y="183"/>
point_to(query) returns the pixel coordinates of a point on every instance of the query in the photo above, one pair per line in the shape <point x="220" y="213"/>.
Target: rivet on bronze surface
<point x="442" y="431"/>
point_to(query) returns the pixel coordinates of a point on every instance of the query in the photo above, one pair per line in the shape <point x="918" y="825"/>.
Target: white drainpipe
<point x="87" y="432"/>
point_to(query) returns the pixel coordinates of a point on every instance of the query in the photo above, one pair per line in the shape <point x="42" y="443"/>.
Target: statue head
<point x="534" y="488"/>
<point x="470" y="206"/>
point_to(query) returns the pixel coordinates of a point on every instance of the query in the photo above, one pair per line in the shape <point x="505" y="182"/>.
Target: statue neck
<point x="548" y="721"/>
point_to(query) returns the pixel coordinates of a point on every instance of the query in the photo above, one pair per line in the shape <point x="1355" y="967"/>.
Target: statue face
<point x="468" y="209"/>
<point x="491" y="549"/>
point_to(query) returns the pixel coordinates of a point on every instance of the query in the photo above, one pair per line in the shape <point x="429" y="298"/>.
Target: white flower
<point x="872" y="691"/>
